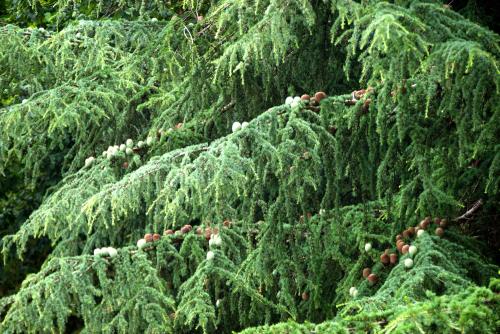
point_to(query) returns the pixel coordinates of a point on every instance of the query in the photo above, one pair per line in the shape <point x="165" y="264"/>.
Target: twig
<point x="228" y="106"/>
<point x="201" y="32"/>
<point x="471" y="211"/>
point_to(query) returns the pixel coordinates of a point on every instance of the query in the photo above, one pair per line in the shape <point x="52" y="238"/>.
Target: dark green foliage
<point x="300" y="191"/>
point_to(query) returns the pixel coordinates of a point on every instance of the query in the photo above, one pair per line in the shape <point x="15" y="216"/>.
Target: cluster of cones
<point x="124" y="151"/>
<point x="312" y="103"/>
<point x="183" y="230"/>
<point x="402" y="245"/>
<point x="418" y="230"/>
<point x="178" y="235"/>
<point x="358" y="95"/>
<point x="141" y="147"/>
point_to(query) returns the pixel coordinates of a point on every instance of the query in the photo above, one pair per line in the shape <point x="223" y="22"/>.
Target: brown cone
<point x="305" y="296"/>
<point x="319" y="96"/>
<point x="208" y="232"/>
<point x="399" y="246"/>
<point x="424" y="224"/>
<point x="373" y="278"/>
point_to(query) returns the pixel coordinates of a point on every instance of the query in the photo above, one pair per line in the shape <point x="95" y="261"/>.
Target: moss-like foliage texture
<point x="116" y="121"/>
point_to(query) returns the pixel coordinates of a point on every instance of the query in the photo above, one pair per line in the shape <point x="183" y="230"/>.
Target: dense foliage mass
<point x="153" y="178"/>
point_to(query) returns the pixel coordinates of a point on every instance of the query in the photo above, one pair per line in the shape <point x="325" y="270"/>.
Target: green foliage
<point x="300" y="191"/>
<point x="54" y="12"/>
<point x="474" y="310"/>
<point x="104" y="294"/>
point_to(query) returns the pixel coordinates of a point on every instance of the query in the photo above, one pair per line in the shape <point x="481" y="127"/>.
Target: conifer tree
<point x="305" y="166"/>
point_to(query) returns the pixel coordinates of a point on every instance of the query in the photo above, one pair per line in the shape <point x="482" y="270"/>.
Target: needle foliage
<point x="288" y="202"/>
